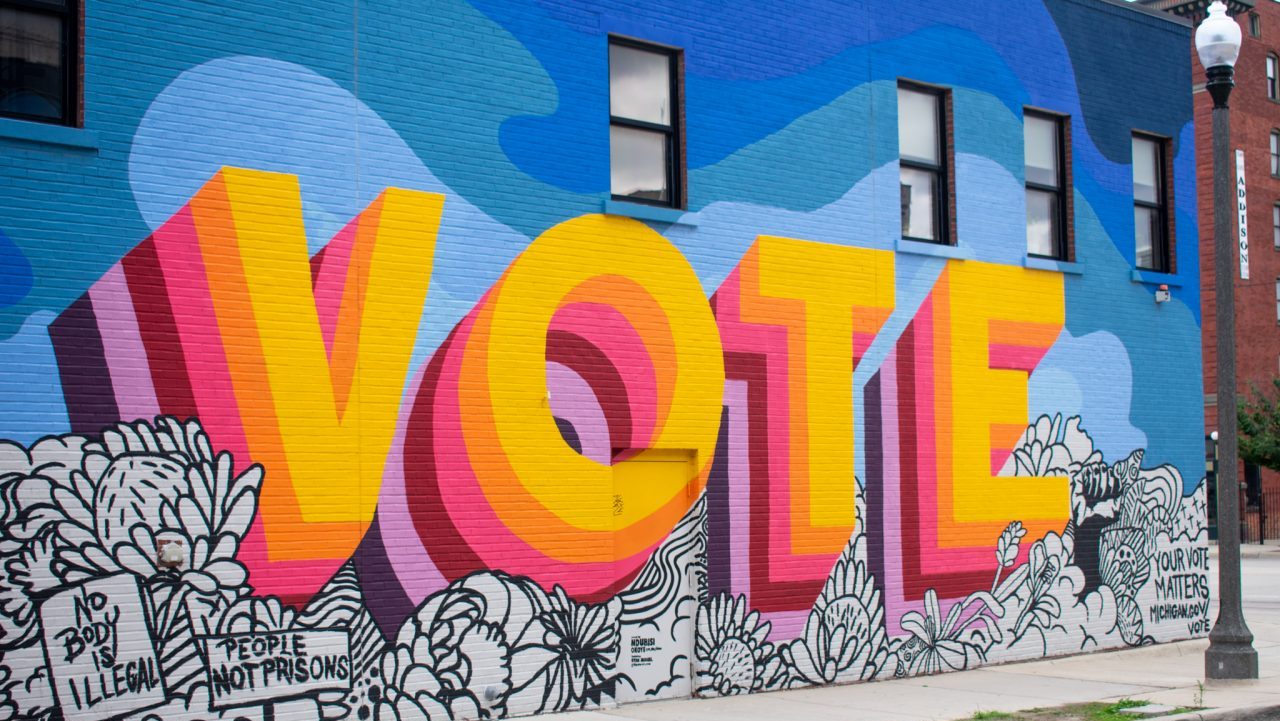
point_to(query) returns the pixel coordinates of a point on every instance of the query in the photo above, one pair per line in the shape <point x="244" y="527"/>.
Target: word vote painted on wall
<point x="298" y="362"/>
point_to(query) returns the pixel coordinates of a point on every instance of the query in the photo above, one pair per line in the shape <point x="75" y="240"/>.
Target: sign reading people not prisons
<point x="254" y="667"/>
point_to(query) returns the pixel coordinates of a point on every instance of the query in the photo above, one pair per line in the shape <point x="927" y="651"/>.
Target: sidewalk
<point x="1170" y="674"/>
<point x="1251" y="550"/>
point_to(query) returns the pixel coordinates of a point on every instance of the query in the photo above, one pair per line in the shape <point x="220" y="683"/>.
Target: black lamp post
<point x="1230" y="654"/>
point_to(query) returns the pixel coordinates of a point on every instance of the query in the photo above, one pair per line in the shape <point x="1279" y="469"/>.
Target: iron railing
<point x="1260" y="517"/>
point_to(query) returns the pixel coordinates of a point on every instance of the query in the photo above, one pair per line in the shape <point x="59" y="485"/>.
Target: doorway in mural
<point x="658" y="656"/>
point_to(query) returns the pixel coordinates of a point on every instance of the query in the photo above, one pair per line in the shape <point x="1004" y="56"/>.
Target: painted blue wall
<point x="502" y="105"/>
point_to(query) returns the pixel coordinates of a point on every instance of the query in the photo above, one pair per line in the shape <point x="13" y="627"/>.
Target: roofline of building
<point x="1193" y="8"/>
<point x="1138" y="11"/>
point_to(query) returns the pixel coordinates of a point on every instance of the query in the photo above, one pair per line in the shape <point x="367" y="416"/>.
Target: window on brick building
<point x="1046" y="164"/>
<point x="1255" y="25"/>
<point x="1275" y="226"/>
<point x="1278" y="300"/>
<point x="1150" y="203"/>
<point x="38" y="60"/>
<point x="1273" y="77"/>
<point x="645" y="159"/>
<point x="923" y="148"/>
<point x="1275" y="153"/>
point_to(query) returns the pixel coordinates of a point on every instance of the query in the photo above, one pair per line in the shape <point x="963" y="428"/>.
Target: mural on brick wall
<point x="506" y="542"/>
<point x="322" y="417"/>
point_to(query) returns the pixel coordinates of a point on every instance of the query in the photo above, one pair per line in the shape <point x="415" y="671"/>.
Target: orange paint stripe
<point x="790" y="313"/>
<point x="277" y="505"/>
<point x="650" y="322"/>
<point x="346" y="337"/>
<point x="1009" y="332"/>
<point x="523" y="514"/>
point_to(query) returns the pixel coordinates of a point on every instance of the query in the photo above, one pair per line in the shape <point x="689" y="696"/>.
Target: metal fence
<point x="1260" y="517"/>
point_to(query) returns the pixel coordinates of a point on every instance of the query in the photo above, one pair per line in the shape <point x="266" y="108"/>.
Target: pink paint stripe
<point x="331" y="281"/>
<point x="773" y="342"/>
<point x="417" y="573"/>
<point x="178" y="252"/>
<point x="1015" y="357"/>
<point x="610" y="331"/>
<point x="735" y="396"/>
<point x="933" y="558"/>
<point x="891" y="485"/>
<point x="122" y="345"/>
<point x="573" y="400"/>
<point x="786" y="625"/>
<point x="458" y="471"/>
<point x="281" y="578"/>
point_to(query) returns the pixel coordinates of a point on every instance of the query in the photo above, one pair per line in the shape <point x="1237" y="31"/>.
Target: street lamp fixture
<point x="1230" y="654"/>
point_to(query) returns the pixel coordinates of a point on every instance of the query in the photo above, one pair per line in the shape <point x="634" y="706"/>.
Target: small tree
<point x="1259" y="423"/>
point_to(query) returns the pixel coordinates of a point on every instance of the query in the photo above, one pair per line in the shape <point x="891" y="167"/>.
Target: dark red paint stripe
<point x="588" y="361"/>
<point x="159" y="332"/>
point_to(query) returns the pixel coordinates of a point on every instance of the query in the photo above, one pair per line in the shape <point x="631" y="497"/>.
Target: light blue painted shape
<point x="270" y="115"/>
<point x="933" y="250"/>
<point x="1067" y="382"/>
<point x="640" y="211"/>
<point x="31" y="401"/>
<point x="1057" y="266"/>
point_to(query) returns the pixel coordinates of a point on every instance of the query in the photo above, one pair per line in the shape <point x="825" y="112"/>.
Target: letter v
<point x="317" y="349"/>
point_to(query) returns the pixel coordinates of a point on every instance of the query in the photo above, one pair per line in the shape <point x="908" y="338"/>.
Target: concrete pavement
<point x="1171" y="674"/>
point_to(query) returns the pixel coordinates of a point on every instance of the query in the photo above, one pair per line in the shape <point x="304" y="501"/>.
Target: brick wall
<point x="334" y="382"/>
<point x="1253" y="117"/>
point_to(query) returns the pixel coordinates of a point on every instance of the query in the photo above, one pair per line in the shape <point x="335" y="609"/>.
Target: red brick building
<point x="1255" y="129"/>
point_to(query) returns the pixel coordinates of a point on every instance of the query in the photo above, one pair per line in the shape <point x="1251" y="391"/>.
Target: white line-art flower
<point x="952" y="642"/>
<point x="844" y="636"/>
<point x="733" y="654"/>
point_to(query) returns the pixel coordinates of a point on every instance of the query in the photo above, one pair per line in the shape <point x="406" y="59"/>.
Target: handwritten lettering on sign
<point x="254" y="667"/>
<point x="1182" y="587"/>
<point x="100" y="650"/>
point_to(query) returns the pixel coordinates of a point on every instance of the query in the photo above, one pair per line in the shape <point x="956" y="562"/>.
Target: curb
<point x="1269" y="711"/>
<point x="1250" y="551"/>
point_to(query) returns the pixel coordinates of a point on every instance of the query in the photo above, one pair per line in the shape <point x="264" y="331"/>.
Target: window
<point x="1275" y="226"/>
<point x="1278" y="300"/>
<point x="1275" y="153"/>
<point x="645" y="162"/>
<point x="1150" y="203"/>
<point x="1255" y="25"/>
<point x="922" y="157"/>
<point x="1045" y="159"/>
<point x="1273" y="74"/>
<point x="38" y="65"/>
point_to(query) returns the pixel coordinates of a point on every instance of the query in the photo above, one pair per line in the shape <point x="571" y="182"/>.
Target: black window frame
<point x="1255" y="25"/>
<point x="1160" y="246"/>
<point x="1272" y="67"/>
<point x="1060" y="123"/>
<point x="69" y="12"/>
<point x="942" y="185"/>
<point x="1275" y="225"/>
<point x="675" y="147"/>
<point x="1273" y="139"/>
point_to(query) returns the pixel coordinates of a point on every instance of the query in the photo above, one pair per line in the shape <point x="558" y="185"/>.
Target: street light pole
<point x="1230" y="654"/>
